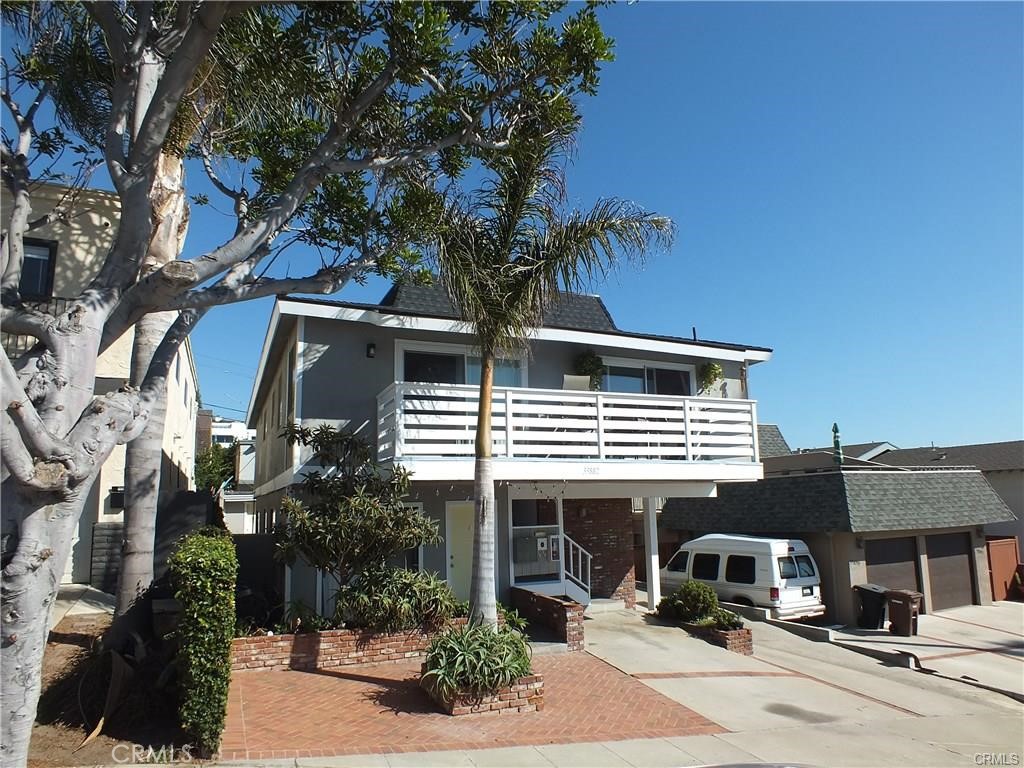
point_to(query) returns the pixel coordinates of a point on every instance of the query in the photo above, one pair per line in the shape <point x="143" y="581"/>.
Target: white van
<point x="779" y="574"/>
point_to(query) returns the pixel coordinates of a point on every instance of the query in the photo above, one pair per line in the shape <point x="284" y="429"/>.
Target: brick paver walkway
<point x="381" y="709"/>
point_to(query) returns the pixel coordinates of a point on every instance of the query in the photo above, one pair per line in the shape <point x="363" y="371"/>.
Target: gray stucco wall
<point x="1009" y="484"/>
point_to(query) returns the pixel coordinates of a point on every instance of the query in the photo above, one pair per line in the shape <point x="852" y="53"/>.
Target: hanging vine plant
<point x="590" y="364"/>
<point x="708" y="375"/>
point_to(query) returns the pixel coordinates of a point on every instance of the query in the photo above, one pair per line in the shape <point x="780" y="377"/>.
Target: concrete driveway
<point x="981" y="644"/>
<point x="809" y="702"/>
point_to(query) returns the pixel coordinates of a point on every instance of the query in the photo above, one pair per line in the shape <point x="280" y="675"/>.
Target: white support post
<point x="651" y="552"/>
<point x="564" y="550"/>
<point x="600" y="426"/>
<point x="508" y="423"/>
<point x="399" y="416"/>
<point x="753" y="426"/>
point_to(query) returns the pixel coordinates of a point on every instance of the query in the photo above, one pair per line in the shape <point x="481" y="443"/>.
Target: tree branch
<point x="104" y="14"/>
<point x="40" y="442"/>
<point x="45" y="475"/>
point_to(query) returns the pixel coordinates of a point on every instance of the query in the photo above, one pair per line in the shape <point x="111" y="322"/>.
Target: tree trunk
<point x="144" y="455"/>
<point x="482" y="594"/>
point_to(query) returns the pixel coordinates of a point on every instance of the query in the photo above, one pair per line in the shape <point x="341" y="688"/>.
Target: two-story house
<point x="61" y="258"/>
<point x="568" y="461"/>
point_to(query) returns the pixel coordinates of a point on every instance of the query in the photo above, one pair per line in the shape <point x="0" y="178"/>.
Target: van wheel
<point x="743" y="601"/>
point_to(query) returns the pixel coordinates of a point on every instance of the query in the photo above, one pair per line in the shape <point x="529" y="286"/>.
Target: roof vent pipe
<point x="695" y="333"/>
<point x="837" y="446"/>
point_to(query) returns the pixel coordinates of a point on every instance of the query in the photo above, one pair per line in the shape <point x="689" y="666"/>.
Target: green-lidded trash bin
<point x="904" y="607"/>
<point x="871" y="612"/>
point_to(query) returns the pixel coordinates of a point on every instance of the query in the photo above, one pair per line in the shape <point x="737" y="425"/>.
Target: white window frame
<point x="642" y="364"/>
<point x="465" y="350"/>
<point x="560" y="522"/>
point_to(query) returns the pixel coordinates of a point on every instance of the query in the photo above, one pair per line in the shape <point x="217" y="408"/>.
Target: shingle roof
<point x="854" y="501"/>
<point x="770" y="441"/>
<point x="854" y="450"/>
<point x="985" y="456"/>
<point x="570" y="310"/>
<point x="573" y="311"/>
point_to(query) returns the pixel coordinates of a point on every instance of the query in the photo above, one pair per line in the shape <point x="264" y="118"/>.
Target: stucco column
<point x="651" y="552"/>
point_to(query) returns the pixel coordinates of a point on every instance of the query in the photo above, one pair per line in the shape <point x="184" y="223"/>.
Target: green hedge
<point x="393" y="599"/>
<point x="204" y="568"/>
<point x="691" y="602"/>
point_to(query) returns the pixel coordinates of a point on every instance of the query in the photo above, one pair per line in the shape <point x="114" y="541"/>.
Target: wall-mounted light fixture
<point x="371" y="350"/>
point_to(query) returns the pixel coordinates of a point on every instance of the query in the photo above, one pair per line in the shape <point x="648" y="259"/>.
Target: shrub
<point x="511" y="618"/>
<point x="720" y="619"/>
<point x="203" y="568"/>
<point x="476" y="659"/>
<point x="394" y="599"/>
<point x="300" y="619"/>
<point x="692" y="601"/>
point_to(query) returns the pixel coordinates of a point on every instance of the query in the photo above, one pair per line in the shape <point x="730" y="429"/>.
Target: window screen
<point x="433" y="368"/>
<point x="739" y="569"/>
<point x="621" y="379"/>
<point x="678" y="562"/>
<point x="705" y="566"/>
<point x="37" y="270"/>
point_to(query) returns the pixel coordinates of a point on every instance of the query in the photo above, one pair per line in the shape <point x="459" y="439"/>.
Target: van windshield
<point x="804" y="565"/>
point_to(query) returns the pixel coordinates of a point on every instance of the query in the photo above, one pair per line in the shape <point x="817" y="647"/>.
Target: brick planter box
<point x="736" y="640"/>
<point x="525" y="695"/>
<point x="561" y="615"/>
<point x="330" y="648"/>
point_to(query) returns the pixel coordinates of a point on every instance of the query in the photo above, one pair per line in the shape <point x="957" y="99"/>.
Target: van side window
<point x="678" y="562"/>
<point x="787" y="568"/>
<point x="705" y="566"/>
<point x="739" y="569"/>
<point x="804" y="565"/>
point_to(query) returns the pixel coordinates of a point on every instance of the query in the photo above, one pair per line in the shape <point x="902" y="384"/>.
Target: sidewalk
<point x="79" y="600"/>
<point x="904" y="742"/>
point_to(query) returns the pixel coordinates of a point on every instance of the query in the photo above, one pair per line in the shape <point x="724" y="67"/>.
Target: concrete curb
<point x="806" y="631"/>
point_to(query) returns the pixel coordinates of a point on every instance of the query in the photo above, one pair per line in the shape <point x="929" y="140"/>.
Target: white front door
<point x="458" y="545"/>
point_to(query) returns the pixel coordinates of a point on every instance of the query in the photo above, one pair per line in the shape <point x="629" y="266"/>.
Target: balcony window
<point x="507" y="373"/>
<point x="434" y="368"/>
<point x="642" y="379"/>
<point x="37" y="269"/>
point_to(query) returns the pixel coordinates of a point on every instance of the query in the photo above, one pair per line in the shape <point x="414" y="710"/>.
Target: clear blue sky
<point x="847" y="183"/>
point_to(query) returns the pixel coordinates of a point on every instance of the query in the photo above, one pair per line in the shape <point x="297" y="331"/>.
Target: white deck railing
<point x="439" y="421"/>
<point x="576" y="564"/>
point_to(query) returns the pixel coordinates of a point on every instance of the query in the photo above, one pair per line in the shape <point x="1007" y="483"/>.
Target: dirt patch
<point x="75" y="683"/>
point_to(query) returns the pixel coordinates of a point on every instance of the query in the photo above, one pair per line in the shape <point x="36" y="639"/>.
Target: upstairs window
<point x="37" y="269"/>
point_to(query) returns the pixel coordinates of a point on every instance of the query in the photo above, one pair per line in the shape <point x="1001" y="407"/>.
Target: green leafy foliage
<point x="707" y="376"/>
<point x="203" y="570"/>
<point x="511" y="618"/>
<point x="352" y="517"/>
<point x="691" y="602"/>
<point x="214" y="465"/>
<point x="725" y="620"/>
<point x="394" y="599"/>
<point x="476" y="659"/>
<point x="590" y="364"/>
<point x="299" y="618"/>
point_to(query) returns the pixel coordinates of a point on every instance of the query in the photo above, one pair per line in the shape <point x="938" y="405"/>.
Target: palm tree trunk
<point x="482" y="594"/>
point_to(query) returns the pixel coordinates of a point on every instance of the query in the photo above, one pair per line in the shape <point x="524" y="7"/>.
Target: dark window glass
<point x="37" y="270"/>
<point x="620" y="379"/>
<point x="411" y="559"/>
<point x="804" y="566"/>
<point x="678" y="562"/>
<point x="534" y="512"/>
<point x="787" y="568"/>
<point x="661" y="381"/>
<point x="432" y="368"/>
<point x="739" y="569"/>
<point x="705" y="567"/>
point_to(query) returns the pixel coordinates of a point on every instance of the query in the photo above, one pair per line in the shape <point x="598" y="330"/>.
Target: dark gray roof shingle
<point x="770" y="442"/>
<point x="853" y="501"/>
<point x="572" y="311"/>
<point x="985" y="456"/>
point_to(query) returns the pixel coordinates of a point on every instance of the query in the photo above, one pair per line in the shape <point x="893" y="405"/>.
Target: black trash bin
<point x="871" y="614"/>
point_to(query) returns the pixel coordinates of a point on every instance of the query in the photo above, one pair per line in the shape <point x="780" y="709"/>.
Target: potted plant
<point x="590" y="364"/>
<point x="708" y="375"/>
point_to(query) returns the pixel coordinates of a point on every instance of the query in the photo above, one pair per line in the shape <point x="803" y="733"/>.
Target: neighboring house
<point x="61" y="258"/>
<point x="1001" y="463"/>
<point x="568" y="462"/>
<point x="227" y="432"/>
<point x="905" y="527"/>
<point x="771" y="442"/>
<point x="237" y="497"/>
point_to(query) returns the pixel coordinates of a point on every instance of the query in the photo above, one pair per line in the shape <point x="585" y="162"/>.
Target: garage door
<point x="892" y="562"/>
<point x="949" y="569"/>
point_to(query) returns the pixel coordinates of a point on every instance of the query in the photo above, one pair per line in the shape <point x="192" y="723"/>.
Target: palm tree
<point x="502" y="258"/>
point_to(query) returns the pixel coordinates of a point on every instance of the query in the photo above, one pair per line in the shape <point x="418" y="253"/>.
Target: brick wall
<point x="604" y="527"/>
<point x="736" y="640"/>
<point x="562" y="616"/>
<point x="525" y="695"/>
<point x="330" y="648"/>
<point x="106" y="556"/>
